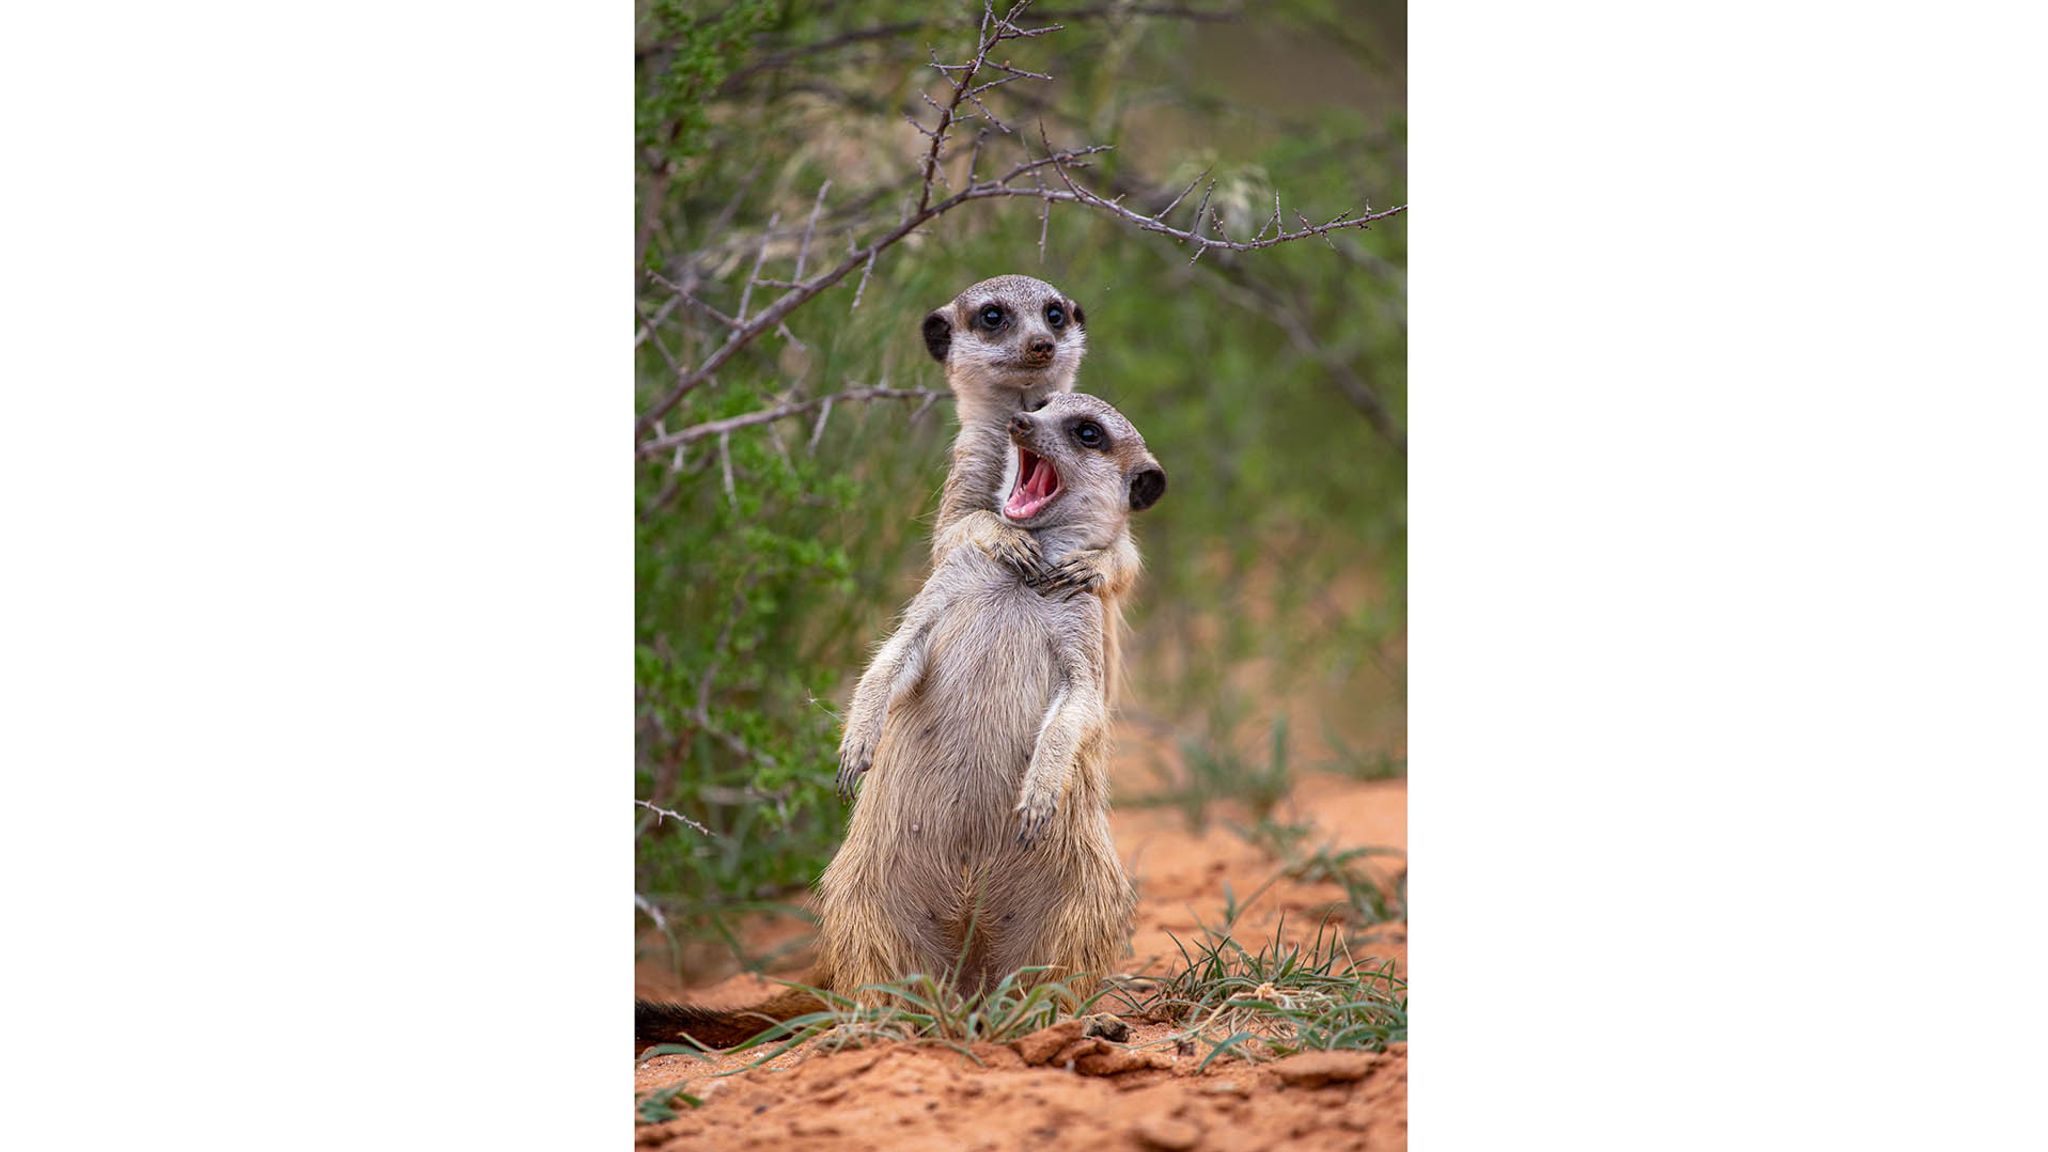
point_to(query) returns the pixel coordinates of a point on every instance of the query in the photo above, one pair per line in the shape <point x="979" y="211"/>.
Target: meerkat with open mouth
<point x="980" y="842"/>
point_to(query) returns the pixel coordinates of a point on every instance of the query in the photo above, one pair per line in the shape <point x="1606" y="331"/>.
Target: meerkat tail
<point x="655" y="1022"/>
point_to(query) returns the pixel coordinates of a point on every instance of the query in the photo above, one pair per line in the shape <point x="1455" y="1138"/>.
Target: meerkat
<point x="1009" y="343"/>
<point x="980" y="842"/>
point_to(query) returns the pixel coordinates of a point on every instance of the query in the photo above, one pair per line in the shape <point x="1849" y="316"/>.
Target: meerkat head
<point x="1079" y="462"/>
<point x="1010" y="333"/>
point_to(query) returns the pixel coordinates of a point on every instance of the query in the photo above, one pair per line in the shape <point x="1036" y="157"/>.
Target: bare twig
<point x="804" y="249"/>
<point x="661" y="814"/>
<point x="647" y="906"/>
<point x="818" y="429"/>
<point x="747" y="292"/>
<point x="723" y="428"/>
<point x="866" y="270"/>
<point x="725" y="460"/>
<point x="1079" y="195"/>
<point x="649" y="323"/>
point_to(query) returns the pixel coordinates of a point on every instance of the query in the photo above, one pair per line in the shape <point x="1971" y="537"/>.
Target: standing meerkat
<point x="980" y="842"/>
<point x="1008" y="344"/>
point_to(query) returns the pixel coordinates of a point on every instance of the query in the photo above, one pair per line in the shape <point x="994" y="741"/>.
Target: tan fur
<point x="980" y="843"/>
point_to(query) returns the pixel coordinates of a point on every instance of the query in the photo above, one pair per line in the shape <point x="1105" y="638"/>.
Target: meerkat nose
<point x="1041" y="347"/>
<point x="1020" y="423"/>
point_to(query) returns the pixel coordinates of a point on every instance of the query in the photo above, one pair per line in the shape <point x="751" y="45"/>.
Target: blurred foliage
<point x="1275" y="567"/>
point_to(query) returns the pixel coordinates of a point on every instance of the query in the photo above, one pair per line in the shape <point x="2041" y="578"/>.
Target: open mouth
<point x="1037" y="483"/>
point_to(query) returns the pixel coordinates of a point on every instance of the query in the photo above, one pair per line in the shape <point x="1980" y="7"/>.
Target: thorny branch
<point x="661" y="814"/>
<point x="965" y="84"/>
<point x="794" y="408"/>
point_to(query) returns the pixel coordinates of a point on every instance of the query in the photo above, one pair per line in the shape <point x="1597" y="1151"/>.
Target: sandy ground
<point x="1057" y="1089"/>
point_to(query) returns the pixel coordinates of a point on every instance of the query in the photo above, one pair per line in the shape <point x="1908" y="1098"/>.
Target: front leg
<point x="1076" y="711"/>
<point x="895" y="670"/>
<point x="1007" y="544"/>
<point x="1109" y="572"/>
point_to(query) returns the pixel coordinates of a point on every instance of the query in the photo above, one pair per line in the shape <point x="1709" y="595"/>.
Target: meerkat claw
<point x="851" y="769"/>
<point x="1033" y="817"/>
<point x="1067" y="579"/>
<point x="1017" y="550"/>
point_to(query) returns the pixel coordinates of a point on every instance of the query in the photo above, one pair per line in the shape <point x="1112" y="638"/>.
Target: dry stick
<point x="862" y="288"/>
<point x="723" y="428"/>
<point x="1044" y="221"/>
<point x="725" y="459"/>
<point x="659" y="346"/>
<point x="804" y="249"/>
<point x="647" y="906"/>
<point x="818" y="429"/>
<point x="649" y="324"/>
<point x="994" y="30"/>
<point x="685" y="295"/>
<point x="661" y="814"/>
<point x="747" y="292"/>
<point x="1080" y="195"/>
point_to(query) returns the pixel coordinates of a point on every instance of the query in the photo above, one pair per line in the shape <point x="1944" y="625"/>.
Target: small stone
<point x="1108" y="1027"/>
<point x="1108" y="1061"/>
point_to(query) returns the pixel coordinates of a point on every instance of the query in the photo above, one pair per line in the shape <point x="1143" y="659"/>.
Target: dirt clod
<point x="1167" y="1133"/>
<point x="1315" y="1069"/>
<point x="1041" y="1046"/>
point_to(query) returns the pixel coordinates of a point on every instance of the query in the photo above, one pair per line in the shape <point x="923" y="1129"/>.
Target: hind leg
<point x="1078" y="925"/>
<point x="874" y="933"/>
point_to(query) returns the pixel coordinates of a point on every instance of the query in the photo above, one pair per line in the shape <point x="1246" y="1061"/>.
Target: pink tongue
<point x="1034" y="489"/>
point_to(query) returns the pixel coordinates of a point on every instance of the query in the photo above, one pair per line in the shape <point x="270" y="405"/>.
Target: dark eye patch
<point x="1089" y="434"/>
<point x="1055" y="316"/>
<point x="990" y="316"/>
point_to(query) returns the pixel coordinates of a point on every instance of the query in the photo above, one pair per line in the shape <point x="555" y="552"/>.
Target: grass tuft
<point x="1285" y="998"/>
<point x="659" y="1105"/>
<point x="921" y="1009"/>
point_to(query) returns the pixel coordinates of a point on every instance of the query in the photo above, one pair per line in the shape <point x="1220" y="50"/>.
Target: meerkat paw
<point x="1034" y="815"/>
<point x="855" y="758"/>
<point x="1013" y="548"/>
<point x="1078" y="574"/>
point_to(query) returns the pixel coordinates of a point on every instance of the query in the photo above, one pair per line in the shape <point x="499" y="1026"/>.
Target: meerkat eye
<point x="1089" y="434"/>
<point x="992" y="317"/>
<point x="1055" y="315"/>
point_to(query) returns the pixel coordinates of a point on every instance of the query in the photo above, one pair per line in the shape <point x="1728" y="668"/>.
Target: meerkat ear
<point x="938" y="335"/>
<point x="1074" y="310"/>
<point x="1148" y="484"/>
